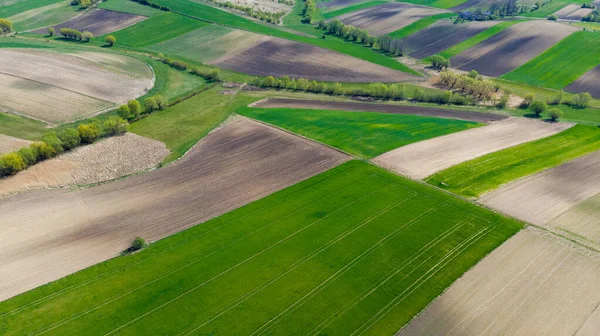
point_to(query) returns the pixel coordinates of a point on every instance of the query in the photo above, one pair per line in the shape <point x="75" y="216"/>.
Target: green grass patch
<point x="20" y="6"/>
<point x="475" y="177"/>
<point x="128" y="6"/>
<point x="44" y="16"/>
<point x="21" y="127"/>
<point x="551" y="7"/>
<point x="473" y="41"/>
<point x="294" y="20"/>
<point x="562" y="64"/>
<point x="365" y="134"/>
<point x="353" y="249"/>
<point x="419" y="24"/>
<point x="593" y="26"/>
<point x="353" y="8"/>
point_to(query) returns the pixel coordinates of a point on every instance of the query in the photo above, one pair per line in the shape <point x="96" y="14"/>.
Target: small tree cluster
<point x="110" y="40"/>
<point x="348" y="32"/>
<point x="83" y="3"/>
<point x="155" y="103"/>
<point x="439" y="62"/>
<point x="70" y="33"/>
<point x="581" y="100"/>
<point x="152" y="4"/>
<point x="390" y="45"/>
<point x="477" y="87"/>
<point x="51" y="31"/>
<point x="310" y="10"/>
<point x="213" y="74"/>
<point x="538" y="107"/>
<point x="270" y="17"/>
<point x="55" y="143"/>
<point x="5" y="26"/>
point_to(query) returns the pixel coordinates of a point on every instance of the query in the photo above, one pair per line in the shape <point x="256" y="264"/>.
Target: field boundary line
<point x="303" y="260"/>
<point x="241" y="263"/>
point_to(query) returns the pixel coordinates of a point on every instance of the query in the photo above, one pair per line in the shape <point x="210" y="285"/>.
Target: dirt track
<point x="384" y="19"/>
<point x="104" y="160"/>
<point x="534" y="284"/>
<point x="98" y="22"/>
<point x="424" y="158"/>
<point x="540" y="198"/>
<point x="278" y="57"/>
<point x="381" y="108"/>
<point x="9" y="144"/>
<point x="589" y="82"/>
<point x="233" y="166"/>
<point x="512" y="47"/>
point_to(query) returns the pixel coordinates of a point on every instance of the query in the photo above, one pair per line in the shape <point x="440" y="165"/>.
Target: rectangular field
<point x="365" y="134"/>
<point x="424" y="158"/>
<point x="475" y="177"/>
<point x="98" y="22"/>
<point x="514" y="46"/>
<point x="353" y="250"/>
<point x="14" y="7"/>
<point x="534" y="284"/>
<point x="43" y="16"/>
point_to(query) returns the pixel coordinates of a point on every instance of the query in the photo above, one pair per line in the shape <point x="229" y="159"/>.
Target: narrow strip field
<point x="587" y="83"/>
<point x="475" y="177"/>
<point x="540" y="198"/>
<point x="365" y="134"/>
<point x="98" y="22"/>
<point x="424" y="158"/>
<point x="355" y="250"/>
<point x="473" y="41"/>
<point x="562" y="64"/>
<point x="13" y="7"/>
<point x="533" y="284"/>
<point x="350" y="9"/>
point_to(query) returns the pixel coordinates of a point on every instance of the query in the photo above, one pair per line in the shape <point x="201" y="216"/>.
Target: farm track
<point x="83" y="227"/>
<point x="481" y="117"/>
<point x="425" y="158"/>
<point x="98" y="22"/>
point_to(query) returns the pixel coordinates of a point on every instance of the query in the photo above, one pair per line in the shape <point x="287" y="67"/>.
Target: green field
<point x="475" y="177"/>
<point x="437" y="3"/>
<point x="365" y="134"/>
<point x="294" y="20"/>
<point x="355" y="249"/>
<point x="128" y="6"/>
<point x="562" y="64"/>
<point x="353" y="8"/>
<point x="10" y="8"/>
<point x="44" y="16"/>
<point x="473" y="41"/>
<point x="552" y="7"/>
<point x="21" y="127"/>
<point x="419" y="24"/>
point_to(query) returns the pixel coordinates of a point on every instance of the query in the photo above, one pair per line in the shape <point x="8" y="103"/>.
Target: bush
<point x="473" y="74"/>
<point x="503" y="102"/>
<point x="137" y="244"/>
<point x="552" y="17"/>
<point x="440" y="62"/>
<point x="581" y="100"/>
<point x="11" y="163"/>
<point x="87" y="36"/>
<point x="558" y="98"/>
<point x="5" y="26"/>
<point x="527" y="100"/>
<point x="43" y="150"/>
<point x="29" y="155"/>
<point x="110" y="40"/>
<point x="69" y="138"/>
<point x="89" y="132"/>
<point x="51" y="31"/>
<point x="135" y="109"/>
<point x="419" y="95"/>
<point x="555" y="114"/>
<point x="179" y="65"/>
<point x="538" y="107"/>
<point x="54" y="142"/>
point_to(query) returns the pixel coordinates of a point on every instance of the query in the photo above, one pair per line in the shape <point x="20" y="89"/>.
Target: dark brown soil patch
<point x="98" y="22"/>
<point x="589" y="82"/>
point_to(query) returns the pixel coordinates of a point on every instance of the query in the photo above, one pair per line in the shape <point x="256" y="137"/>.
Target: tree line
<point x="152" y="4"/>
<point x="73" y="34"/>
<point x="55" y="143"/>
<point x="384" y="43"/>
<point x="472" y="84"/>
<point x="270" y="17"/>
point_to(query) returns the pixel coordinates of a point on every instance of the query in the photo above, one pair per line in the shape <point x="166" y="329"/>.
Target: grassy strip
<point x="21" y="127"/>
<point x="354" y="8"/>
<point x="475" y="177"/>
<point x="317" y="246"/>
<point x="294" y="20"/>
<point x="211" y="14"/>
<point x="473" y="41"/>
<point x="128" y="6"/>
<point x="16" y="7"/>
<point x="44" y="16"/>
<point x="418" y="25"/>
<point x="593" y="26"/>
<point x="364" y="134"/>
<point x="562" y="64"/>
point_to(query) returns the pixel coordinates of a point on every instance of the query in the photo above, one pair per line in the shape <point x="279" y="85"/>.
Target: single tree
<point x="124" y="112"/>
<point x="137" y="244"/>
<point x="5" y="26"/>
<point x="527" y="100"/>
<point x="110" y="40"/>
<point x="135" y="108"/>
<point x="555" y="114"/>
<point x="538" y="107"/>
<point x="88" y="132"/>
<point x="11" y="163"/>
<point x="51" y="31"/>
<point x="87" y="36"/>
<point x="581" y="100"/>
<point x="70" y="138"/>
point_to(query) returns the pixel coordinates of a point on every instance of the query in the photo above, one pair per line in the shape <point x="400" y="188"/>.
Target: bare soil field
<point x="98" y="21"/>
<point x="337" y="3"/>
<point x="129" y="65"/>
<point x="565" y="11"/>
<point x="384" y="19"/>
<point x="579" y="14"/>
<point x="381" y="108"/>
<point x="589" y="82"/>
<point x="102" y="161"/>
<point x="9" y="144"/>
<point x="466" y="4"/>
<point x="424" y="158"/>
<point x="534" y="284"/>
<point x="540" y="198"/>
<point x="278" y="57"/>
<point x="75" y="74"/>
<point x="235" y="165"/>
<point x="442" y="35"/>
<point x="582" y="220"/>
<point x="515" y="46"/>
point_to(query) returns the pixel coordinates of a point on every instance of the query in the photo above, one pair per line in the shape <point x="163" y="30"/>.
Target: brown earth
<point x="540" y="198"/>
<point x="387" y="18"/>
<point x="381" y="108"/>
<point x="465" y="5"/>
<point x="98" y="22"/>
<point x="334" y="4"/>
<point x="512" y="47"/>
<point x="582" y="220"/>
<point x="579" y="14"/>
<point x="565" y="11"/>
<point x="278" y="57"/>
<point x="534" y="284"/>
<point x="424" y="158"/>
<point x="589" y="82"/>
<point x="49" y="234"/>
<point x="9" y="144"/>
<point x="104" y="160"/>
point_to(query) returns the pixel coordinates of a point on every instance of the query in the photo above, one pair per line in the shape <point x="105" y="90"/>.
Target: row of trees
<point x="73" y="34"/>
<point x="439" y="62"/>
<point x="310" y="10"/>
<point x="133" y="109"/>
<point x="5" y="26"/>
<point x="152" y="4"/>
<point x="212" y="74"/>
<point x="270" y="17"/>
<point x="55" y="143"/>
<point x="384" y="43"/>
<point x="471" y="84"/>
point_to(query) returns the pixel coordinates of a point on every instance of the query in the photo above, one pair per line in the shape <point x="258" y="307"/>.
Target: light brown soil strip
<point x="582" y="220"/>
<point x="49" y="234"/>
<point x="381" y="108"/>
<point x="9" y="144"/>
<point x="98" y="22"/>
<point x="579" y="14"/>
<point x="565" y="11"/>
<point x="534" y="284"/>
<point x="428" y="157"/>
<point x="102" y="161"/>
<point x="540" y="198"/>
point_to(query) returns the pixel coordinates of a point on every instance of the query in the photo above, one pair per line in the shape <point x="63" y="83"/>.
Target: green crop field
<point x="157" y="29"/>
<point x="44" y="16"/>
<point x="294" y="20"/>
<point x="551" y="7"/>
<point x="355" y="249"/>
<point x="562" y="64"/>
<point x="475" y="177"/>
<point x="10" y="8"/>
<point x="365" y="134"/>
<point x="128" y="6"/>
<point x="353" y="8"/>
<point x="419" y="24"/>
<point x="196" y="45"/>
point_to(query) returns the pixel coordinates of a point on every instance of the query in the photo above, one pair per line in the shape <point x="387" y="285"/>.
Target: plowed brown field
<point x="9" y="144"/>
<point x="98" y="21"/>
<point x="589" y="82"/>
<point x="233" y="166"/>
<point x="534" y="284"/>
<point x="424" y="158"/>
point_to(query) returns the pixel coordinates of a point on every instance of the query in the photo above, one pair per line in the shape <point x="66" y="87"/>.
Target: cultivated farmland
<point x="354" y="250"/>
<point x="588" y="82"/>
<point x="9" y="144"/>
<point x="102" y="161"/>
<point x="98" y="22"/>
<point x="278" y="57"/>
<point x="515" y="46"/>
<point x="231" y="167"/>
<point x="542" y="197"/>
<point x="387" y="18"/>
<point x="573" y="12"/>
<point x="583" y="220"/>
<point x="533" y="284"/>
<point x="43" y="16"/>
<point x="424" y="158"/>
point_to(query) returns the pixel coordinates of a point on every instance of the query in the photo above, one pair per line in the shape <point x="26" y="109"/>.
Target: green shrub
<point x="134" y="108"/>
<point x="555" y="114"/>
<point x="137" y="244"/>
<point x="29" y="155"/>
<point x="43" y="150"/>
<point x="503" y="102"/>
<point x="124" y="112"/>
<point x="114" y="126"/>
<point x="110" y="40"/>
<point x="527" y="100"/>
<point x="538" y="107"/>
<point x="581" y="100"/>
<point x="11" y="163"/>
<point x="54" y="142"/>
<point x="69" y="138"/>
<point x="552" y="17"/>
<point x="89" y="132"/>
